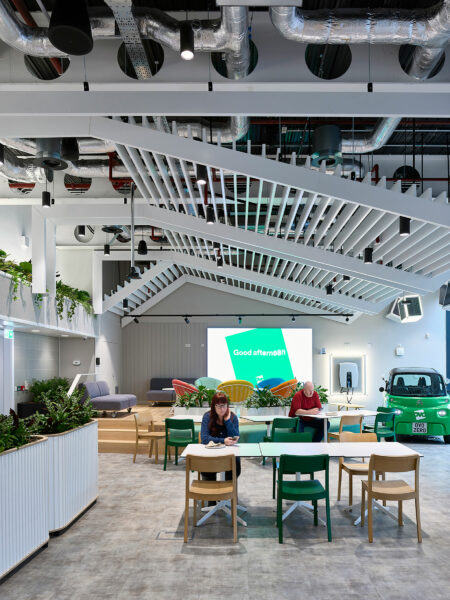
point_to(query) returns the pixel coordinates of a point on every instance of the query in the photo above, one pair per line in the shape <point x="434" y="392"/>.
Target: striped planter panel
<point x="23" y="503"/>
<point x="73" y="474"/>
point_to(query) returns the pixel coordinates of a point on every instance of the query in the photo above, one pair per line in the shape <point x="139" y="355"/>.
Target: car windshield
<point x="418" y="385"/>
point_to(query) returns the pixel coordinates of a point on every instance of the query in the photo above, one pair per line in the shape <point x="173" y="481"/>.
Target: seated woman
<point x="220" y="425"/>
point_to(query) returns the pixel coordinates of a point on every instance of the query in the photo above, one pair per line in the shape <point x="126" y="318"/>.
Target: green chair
<point x="208" y="382"/>
<point x="384" y="425"/>
<point x="303" y="490"/>
<point x="179" y="433"/>
<point x="290" y="438"/>
<point x="286" y="424"/>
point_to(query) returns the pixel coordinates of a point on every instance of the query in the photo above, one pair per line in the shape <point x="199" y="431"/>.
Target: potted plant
<point x="37" y="389"/>
<point x="23" y="492"/>
<point x="73" y="455"/>
<point x="194" y="403"/>
<point x="264" y="402"/>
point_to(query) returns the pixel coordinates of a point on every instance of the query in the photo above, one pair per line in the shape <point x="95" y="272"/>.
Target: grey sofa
<point x="157" y="394"/>
<point x="101" y="399"/>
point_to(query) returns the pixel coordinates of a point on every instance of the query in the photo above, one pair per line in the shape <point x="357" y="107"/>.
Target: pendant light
<point x="368" y="256"/>
<point x="202" y="174"/>
<point x="70" y="28"/>
<point x="210" y="218"/>
<point x="329" y="289"/>
<point x="404" y="226"/>
<point x="46" y="200"/>
<point x="106" y="250"/>
<point x="186" y="41"/>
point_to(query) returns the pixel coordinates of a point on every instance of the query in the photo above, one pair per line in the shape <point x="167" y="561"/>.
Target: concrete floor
<point x="130" y="544"/>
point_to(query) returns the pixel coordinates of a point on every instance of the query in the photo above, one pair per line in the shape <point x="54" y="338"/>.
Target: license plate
<point x="419" y="427"/>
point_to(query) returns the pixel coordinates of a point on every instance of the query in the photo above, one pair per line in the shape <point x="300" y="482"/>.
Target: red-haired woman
<point x="220" y="425"/>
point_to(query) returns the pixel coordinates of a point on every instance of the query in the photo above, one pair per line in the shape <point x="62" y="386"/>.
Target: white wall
<point x="77" y="349"/>
<point x="108" y="348"/>
<point x="159" y="347"/>
<point x="75" y="268"/>
<point x="16" y="221"/>
<point x="35" y="357"/>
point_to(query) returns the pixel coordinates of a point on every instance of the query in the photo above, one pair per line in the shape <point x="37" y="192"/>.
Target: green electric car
<point x="421" y="402"/>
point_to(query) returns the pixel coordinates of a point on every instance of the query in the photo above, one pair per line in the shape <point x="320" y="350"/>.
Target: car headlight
<point x="442" y="413"/>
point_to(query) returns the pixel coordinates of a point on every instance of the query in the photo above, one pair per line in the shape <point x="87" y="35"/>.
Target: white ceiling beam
<point x="235" y="98"/>
<point x="273" y="171"/>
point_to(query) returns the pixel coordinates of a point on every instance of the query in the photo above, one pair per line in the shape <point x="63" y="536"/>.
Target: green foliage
<point x="14" y="432"/>
<point x="22" y="273"/>
<point x="64" y="412"/>
<point x="38" y="388"/>
<point x="263" y="398"/>
<point x="196" y="399"/>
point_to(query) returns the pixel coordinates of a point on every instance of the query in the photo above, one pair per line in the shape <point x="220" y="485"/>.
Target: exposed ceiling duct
<point x="428" y="29"/>
<point x="85" y="145"/>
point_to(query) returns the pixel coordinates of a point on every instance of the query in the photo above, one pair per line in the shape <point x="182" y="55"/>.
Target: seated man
<point x="307" y="402"/>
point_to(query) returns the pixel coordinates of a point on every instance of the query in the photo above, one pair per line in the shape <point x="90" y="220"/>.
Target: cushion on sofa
<point x="114" y="402"/>
<point x="158" y="383"/>
<point x="90" y="388"/>
<point x="103" y="388"/>
<point x="161" y="396"/>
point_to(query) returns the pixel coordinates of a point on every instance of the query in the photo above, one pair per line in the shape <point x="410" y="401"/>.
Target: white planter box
<point x="270" y="410"/>
<point x="195" y="410"/>
<point x="73" y="474"/>
<point x="23" y="503"/>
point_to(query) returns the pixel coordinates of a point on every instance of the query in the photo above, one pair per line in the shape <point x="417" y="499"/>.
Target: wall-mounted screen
<point x="257" y="354"/>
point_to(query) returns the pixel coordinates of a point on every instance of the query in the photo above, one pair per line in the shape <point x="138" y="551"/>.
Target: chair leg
<point x="370" y="515"/>
<point x="234" y="518"/>
<point x="339" y="483"/>
<point x="186" y="518"/>
<point x="363" y="505"/>
<point x="195" y="513"/>
<point x="135" y="451"/>
<point x="176" y="455"/>
<point x="279" y="517"/>
<point x="350" y="489"/>
<point x="327" y="506"/>
<point x="273" y="477"/>
<point x="383" y="477"/>
<point x="419" y="529"/>
<point x="316" y="519"/>
<point x="156" y="451"/>
<point x="400" y="513"/>
<point x="165" y="456"/>
<point x="150" y="448"/>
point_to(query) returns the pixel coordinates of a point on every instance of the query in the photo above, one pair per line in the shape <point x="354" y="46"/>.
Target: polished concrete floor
<point x="130" y="544"/>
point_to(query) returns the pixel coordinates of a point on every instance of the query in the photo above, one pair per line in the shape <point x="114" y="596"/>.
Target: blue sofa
<point x="101" y="399"/>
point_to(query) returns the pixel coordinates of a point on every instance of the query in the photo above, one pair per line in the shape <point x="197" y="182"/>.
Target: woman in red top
<point x="306" y="402"/>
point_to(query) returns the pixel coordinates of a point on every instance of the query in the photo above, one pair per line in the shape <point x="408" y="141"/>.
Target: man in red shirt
<point x="307" y="402"/>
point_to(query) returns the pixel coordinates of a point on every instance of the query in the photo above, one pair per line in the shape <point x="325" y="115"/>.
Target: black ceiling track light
<point x="186" y="320"/>
<point x="404" y="226"/>
<point x="81" y="230"/>
<point x="125" y="303"/>
<point x="219" y="262"/>
<point x="70" y="28"/>
<point x="186" y="41"/>
<point x="106" y="250"/>
<point x="46" y="199"/>
<point x="210" y="217"/>
<point x="329" y="289"/>
<point x="142" y="248"/>
<point x="368" y="256"/>
<point x="346" y="278"/>
<point x="202" y="174"/>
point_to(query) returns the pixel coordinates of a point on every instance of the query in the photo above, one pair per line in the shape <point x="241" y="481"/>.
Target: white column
<point x="97" y="282"/>
<point x="6" y="371"/>
<point x="50" y="256"/>
<point x="39" y="283"/>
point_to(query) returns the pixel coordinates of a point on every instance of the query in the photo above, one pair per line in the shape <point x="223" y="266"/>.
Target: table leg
<point x="325" y="430"/>
<point x="268" y="428"/>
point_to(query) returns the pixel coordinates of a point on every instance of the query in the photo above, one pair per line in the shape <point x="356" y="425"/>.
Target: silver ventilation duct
<point x="372" y="140"/>
<point x="86" y="145"/>
<point x="429" y="29"/>
<point x="19" y="169"/>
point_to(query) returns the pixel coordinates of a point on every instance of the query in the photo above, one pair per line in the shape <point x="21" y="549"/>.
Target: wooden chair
<point x="155" y="436"/>
<point x="151" y="436"/>
<point x="284" y="389"/>
<point x="203" y="490"/>
<point x="397" y="490"/>
<point x="237" y="390"/>
<point x="346" y="422"/>
<point x="353" y="468"/>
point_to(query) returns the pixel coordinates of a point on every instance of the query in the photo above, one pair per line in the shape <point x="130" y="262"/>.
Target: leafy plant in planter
<point x="203" y="397"/>
<point x="14" y="432"/>
<point x="40" y="387"/>
<point x="263" y="398"/>
<point x="64" y="412"/>
<point x="21" y="273"/>
<point x="186" y="400"/>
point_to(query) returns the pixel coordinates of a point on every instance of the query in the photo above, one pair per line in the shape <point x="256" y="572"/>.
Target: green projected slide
<point x="259" y="354"/>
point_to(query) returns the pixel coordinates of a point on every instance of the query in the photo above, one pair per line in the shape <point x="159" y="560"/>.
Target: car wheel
<point x="447" y="439"/>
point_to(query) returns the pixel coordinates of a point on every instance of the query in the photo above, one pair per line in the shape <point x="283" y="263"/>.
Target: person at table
<point x="307" y="402"/>
<point x="220" y="425"/>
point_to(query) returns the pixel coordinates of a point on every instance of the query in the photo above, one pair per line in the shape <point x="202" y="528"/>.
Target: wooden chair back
<point x="351" y="420"/>
<point x="350" y="436"/>
<point x="393" y="464"/>
<point x="211" y="464"/>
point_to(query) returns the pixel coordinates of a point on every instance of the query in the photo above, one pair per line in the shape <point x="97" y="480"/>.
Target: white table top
<point x="343" y="449"/>
<point x="195" y="418"/>
<point x="323" y="414"/>
<point x="263" y="418"/>
<point x="244" y="450"/>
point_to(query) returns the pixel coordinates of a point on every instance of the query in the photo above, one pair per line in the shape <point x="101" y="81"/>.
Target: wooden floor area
<point x="119" y="435"/>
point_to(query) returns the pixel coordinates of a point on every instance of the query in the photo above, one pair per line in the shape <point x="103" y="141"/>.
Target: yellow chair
<point x="345" y="422"/>
<point x="284" y="389"/>
<point x="353" y="468"/>
<point x="151" y="436"/>
<point x="237" y="390"/>
<point x="202" y="490"/>
<point x="397" y="490"/>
